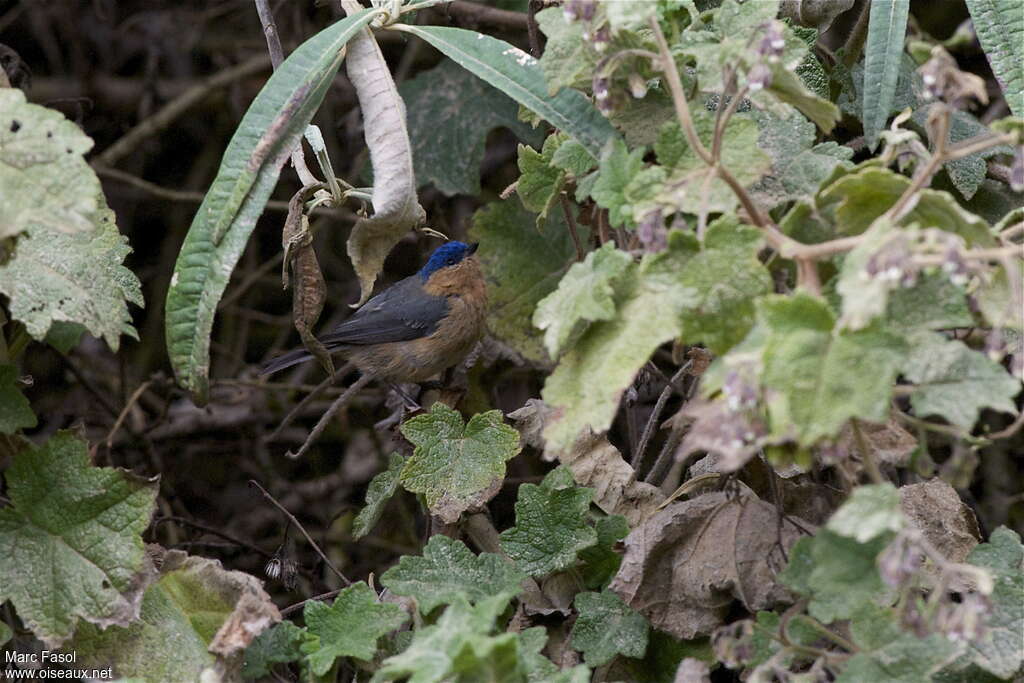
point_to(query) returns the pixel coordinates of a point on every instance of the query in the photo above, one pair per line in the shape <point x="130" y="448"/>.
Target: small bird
<point x="416" y="328"/>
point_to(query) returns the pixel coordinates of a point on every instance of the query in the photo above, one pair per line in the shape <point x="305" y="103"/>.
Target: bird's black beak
<point x="473" y="248"/>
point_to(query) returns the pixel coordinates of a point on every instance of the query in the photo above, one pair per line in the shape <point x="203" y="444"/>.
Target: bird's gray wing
<point x="400" y="313"/>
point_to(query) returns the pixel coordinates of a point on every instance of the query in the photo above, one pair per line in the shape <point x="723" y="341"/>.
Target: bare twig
<point x="645" y="436"/>
<point x="309" y="398"/>
<point x="178" y="106"/>
<point x="299" y="605"/>
<point x="216" y="532"/>
<point x="571" y="222"/>
<point x="291" y="518"/>
<point x="276" y="57"/>
<point x="124" y="411"/>
<point x="866" y="456"/>
<point x="489" y="16"/>
<point x="338" y="404"/>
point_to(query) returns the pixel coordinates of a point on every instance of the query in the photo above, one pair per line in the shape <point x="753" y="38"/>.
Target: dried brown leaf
<point x="889" y="443"/>
<point x="595" y="463"/>
<point x="935" y="509"/>
<point x="684" y="566"/>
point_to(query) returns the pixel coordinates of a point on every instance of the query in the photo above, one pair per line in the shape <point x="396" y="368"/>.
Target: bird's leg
<point x="410" y="403"/>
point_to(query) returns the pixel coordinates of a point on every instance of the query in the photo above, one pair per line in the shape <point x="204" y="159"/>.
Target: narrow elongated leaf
<point x="268" y="132"/>
<point x="887" y="26"/>
<point x="519" y="76"/>
<point x="1000" y="28"/>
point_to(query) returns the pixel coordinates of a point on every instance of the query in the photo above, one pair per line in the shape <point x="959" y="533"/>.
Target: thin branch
<point x="571" y="222"/>
<point x="645" y="436"/>
<point x="124" y="411"/>
<point x="178" y="106"/>
<point x="309" y="398"/>
<point x="299" y="605"/>
<point x="276" y="57"/>
<point x="216" y="532"/>
<point x="866" y="456"/>
<point x="338" y="404"/>
<point x="488" y="16"/>
<point x="291" y="518"/>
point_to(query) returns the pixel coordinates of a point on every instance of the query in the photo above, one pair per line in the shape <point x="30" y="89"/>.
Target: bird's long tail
<point x="286" y="361"/>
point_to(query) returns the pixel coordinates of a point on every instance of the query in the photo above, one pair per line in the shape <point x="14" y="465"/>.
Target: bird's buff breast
<point x="421" y="359"/>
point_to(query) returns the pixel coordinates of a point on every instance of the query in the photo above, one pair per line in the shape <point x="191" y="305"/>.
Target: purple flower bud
<point x="637" y="85"/>
<point x="652" y="233"/>
<point x="571" y="10"/>
<point x="759" y="77"/>
<point x="602" y="38"/>
<point x="898" y="561"/>
<point x="587" y="8"/>
<point x="772" y="43"/>
<point x="734" y="643"/>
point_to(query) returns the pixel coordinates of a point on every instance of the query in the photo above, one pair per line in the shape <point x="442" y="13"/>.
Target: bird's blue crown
<point x="448" y="254"/>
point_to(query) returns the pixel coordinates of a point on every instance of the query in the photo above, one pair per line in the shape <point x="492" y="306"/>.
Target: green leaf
<point x="955" y="382"/>
<point x="601" y="561"/>
<point x="1000" y="28"/>
<point x="586" y="386"/>
<point x="691" y="185"/>
<point x="662" y="659"/>
<point x="378" y="493"/>
<point x="448" y="570"/>
<point x="998" y="651"/>
<point x="449" y="155"/>
<point x="73" y="277"/>
<point x="857" y="199"/>
<point x="618" y="167"/>
<point x="71" y="542"/>
<point x="870" y="511"/>
<point x="540" y="183"/>
<point x="838" y="573"/>
<point x="568" y="61"/>
<point x="272" y="126"/>
<point x="279" y="644"/>
<point x="798" y="165"/>
<point x="997" y="301"/>
<point x="458" y="647"/>
<point x="551" y="525"/>
<point x="519" y="76"/>
<point x="573" y="157"/>
<point x="522" y="263"/>
<point x="606" y="626"/>
<point x="350" y="627"/>
<point x="883" y="53"/>
<point x="727" y="277"/>
<point x="15" y="411"/>
<point x="818" y="379"/>
<point x="787" y="87"/>
<point x="47" y="183"/>
<point x="177" y="634"/>
<point x="933" y="303"/>
<point x="966" y="173"/>
<point x="455" y="466"/>
<point x="904" y="660"/>
<point x="586" y="293"/>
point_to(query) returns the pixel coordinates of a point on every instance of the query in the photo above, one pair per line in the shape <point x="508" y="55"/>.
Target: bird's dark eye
<point x="450" y="261"/>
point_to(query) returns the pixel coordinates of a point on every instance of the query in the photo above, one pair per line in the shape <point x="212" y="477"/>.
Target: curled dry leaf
<point x="684" y="566"/>
<point x="889" y="443"/>
<point x="594" y="463"/>
<point x="309" y="291"/>
<point x="935" y="509"/>
<point x="396" y="208"/>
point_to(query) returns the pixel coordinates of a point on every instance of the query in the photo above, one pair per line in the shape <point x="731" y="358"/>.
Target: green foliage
<point x="248" y="173"/>
<point x="350" y="627"/>
<point x="1000" y="29"/>
<point x="600" y="560"/>
<point x="887" y="26"/>
<point x="585" y="294"/>
<point x="15" y="411"/>
<point x="279" y="644"/>
<point x="540" y="183"/>
<point x="551" y="525"/>
<point x="378" y="493"/>
<point x="73" y="277"/>
<point x="457" y="466"/>
<point x="449" y="156"/>
<point x="606" y="627"/>
<point x="811" y="369"/>
<point x="71" y="540"/>
<point x="998" y="650"/>
<point x="448" y="571"/>
<point x="48" y="186"/>
<point x="618" y="167"/>
<point x="523" y="264"/>
<point x="567" y="61"/>
<point x="177" y="634"/>
<point x="956" y="382"/>
<point x="869" y="512"/>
